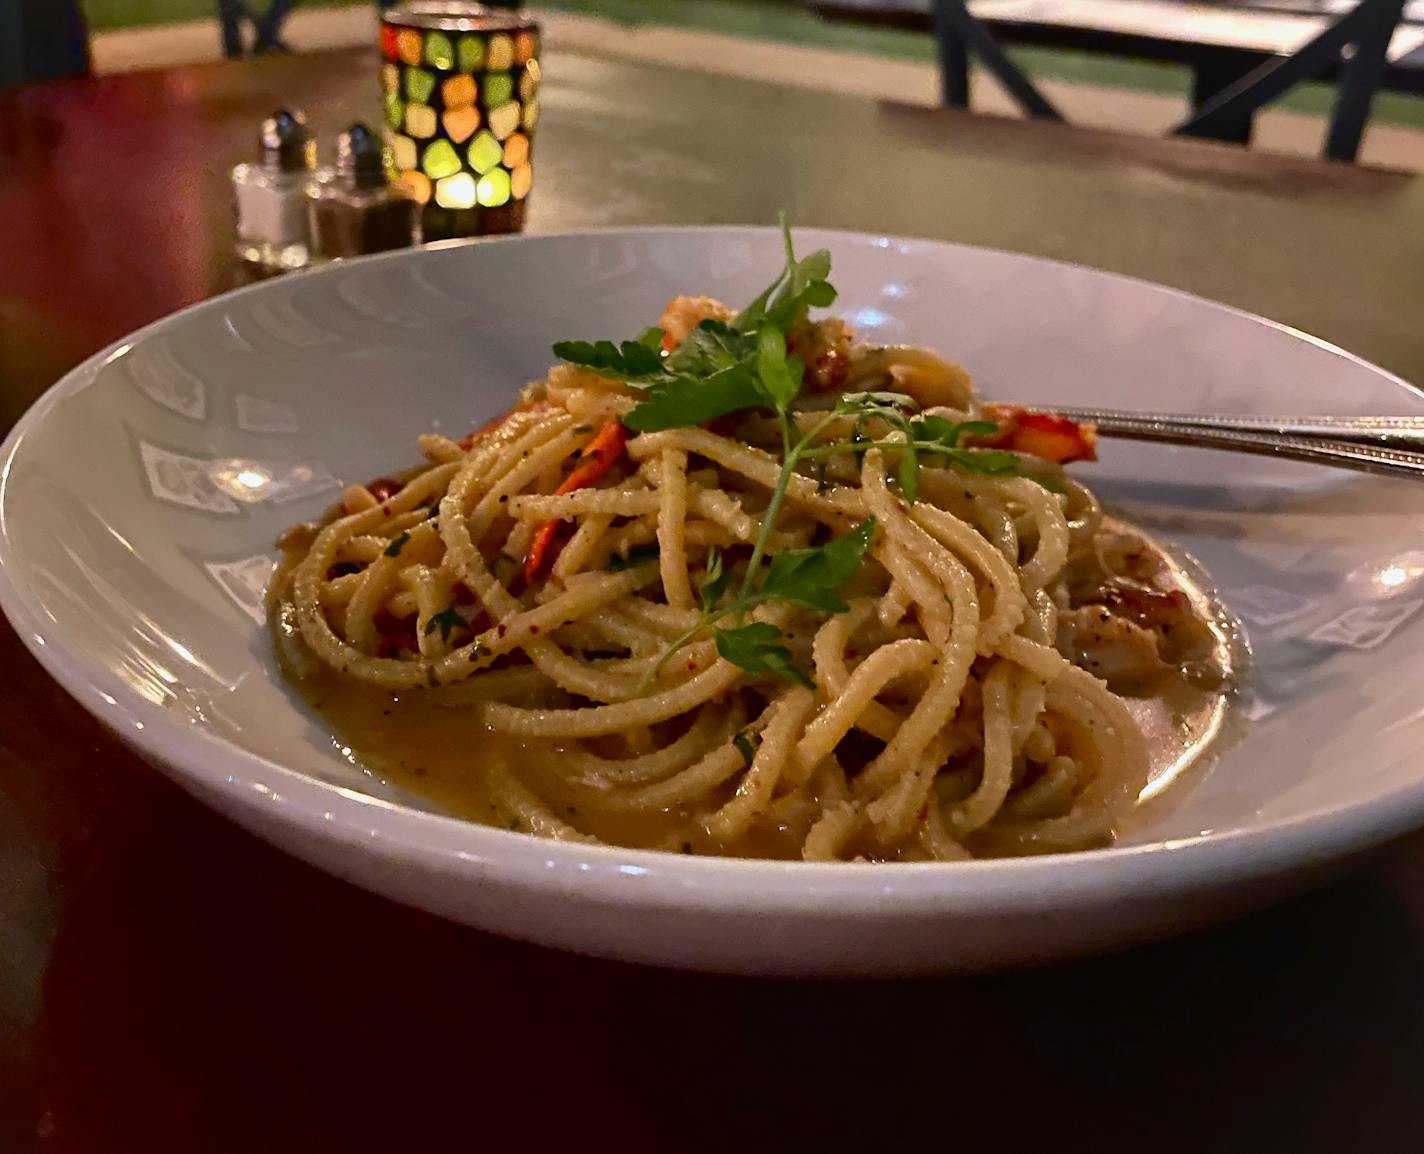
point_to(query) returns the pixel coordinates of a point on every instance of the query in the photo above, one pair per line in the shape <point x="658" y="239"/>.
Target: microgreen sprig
<point x="723" y="368"/>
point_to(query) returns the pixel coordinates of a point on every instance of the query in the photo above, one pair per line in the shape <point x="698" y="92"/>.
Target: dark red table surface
<point x="170" y="983"/>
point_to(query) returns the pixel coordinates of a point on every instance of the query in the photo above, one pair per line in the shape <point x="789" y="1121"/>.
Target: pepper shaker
<point x="269" y="194"/>
<point x="354" y="208"/>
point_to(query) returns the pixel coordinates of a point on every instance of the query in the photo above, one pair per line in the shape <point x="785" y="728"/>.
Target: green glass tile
<point x="499" y="89"/>
<point x="493" y="189"/>
<point x="439" y="51"/>
<point x="472" y="53"/>
<point x="485" y="152"/>
<point x="419" y="85"/>
<point x="440" y="160"/>
<point x="395" y="110"/>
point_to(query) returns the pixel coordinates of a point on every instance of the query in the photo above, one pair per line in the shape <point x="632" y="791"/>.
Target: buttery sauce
<point x="1189" y="717"/>
<point x="419" y="741"/>
<point x="413" y="740"/>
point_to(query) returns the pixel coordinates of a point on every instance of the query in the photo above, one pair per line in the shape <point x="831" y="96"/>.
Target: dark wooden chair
<point x="1228" y="114"/>
<point x="41" y="40"/>
<point x="266" y="26"/>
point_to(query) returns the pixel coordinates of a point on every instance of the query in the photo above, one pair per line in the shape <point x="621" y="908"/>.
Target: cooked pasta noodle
<point x="541" y="591"/>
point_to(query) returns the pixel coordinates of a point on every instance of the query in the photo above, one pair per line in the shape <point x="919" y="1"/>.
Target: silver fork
<point x="1391" y="446"/>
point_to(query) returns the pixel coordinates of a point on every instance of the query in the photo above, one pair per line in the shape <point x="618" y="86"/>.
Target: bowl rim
<point x="342" y="815"/>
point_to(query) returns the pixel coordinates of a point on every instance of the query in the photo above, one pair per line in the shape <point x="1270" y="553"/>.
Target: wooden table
<point x="169" y="983"/>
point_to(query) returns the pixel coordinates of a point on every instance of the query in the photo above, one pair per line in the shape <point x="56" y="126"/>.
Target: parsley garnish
<point x="637" y="362"/>
<point x="447" y="620"/>
<point x="800" y="286"/>
<point x="812" y="577"/>
<point x="394" y="548"/>
<point x="807" y="577"/>
<point x="755" y="648"/>
<point x="719" y="368"/>
<point x="694" y="400"/>
<point x="744" y="747"/>
<point x="714" y="581"/>
<point x="937" y="436"/>
<point x="727" y="368"/>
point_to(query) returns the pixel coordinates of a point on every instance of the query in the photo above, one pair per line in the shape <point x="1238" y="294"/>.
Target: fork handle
<point x="1387" y="446"/>
<point x="1382" y="432"/>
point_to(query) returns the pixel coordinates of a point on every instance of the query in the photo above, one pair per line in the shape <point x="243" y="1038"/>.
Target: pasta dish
<point x="745" y="586"/>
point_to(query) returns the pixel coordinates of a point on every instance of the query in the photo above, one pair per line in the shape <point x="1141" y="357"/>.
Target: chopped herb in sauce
<point x="448" y="620"/>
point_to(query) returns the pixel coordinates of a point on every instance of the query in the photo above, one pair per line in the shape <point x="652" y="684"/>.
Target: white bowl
<point x="135" y="577"/>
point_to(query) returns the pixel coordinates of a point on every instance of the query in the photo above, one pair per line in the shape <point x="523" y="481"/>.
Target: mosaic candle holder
<point x="461" y="99"/>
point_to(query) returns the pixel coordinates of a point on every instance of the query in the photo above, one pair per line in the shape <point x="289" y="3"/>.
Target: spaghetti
<point x="765" y="632"/>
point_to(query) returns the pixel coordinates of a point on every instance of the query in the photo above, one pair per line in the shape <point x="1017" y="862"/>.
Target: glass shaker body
<point x="346" y="221"/>
<point x="269" y="194"/>
<point x="271" y="216"/>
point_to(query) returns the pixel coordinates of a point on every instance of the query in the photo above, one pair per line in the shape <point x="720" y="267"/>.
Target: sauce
<point x="419" y="741"/>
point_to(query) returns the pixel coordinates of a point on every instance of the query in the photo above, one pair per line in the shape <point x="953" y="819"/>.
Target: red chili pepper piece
<point x="384" y="488"/>
<point x="540" y="549"/>
<point x="595" y="459"/>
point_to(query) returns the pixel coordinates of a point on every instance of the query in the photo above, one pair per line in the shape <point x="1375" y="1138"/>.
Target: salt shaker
<point x="269" y="194"/>
<point x="354" y="208"/>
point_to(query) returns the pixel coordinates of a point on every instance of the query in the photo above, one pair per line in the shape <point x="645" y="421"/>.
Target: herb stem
<point x="707" y="620"/>
<point x="861" y="446"/>
<point x="793" y="453"/>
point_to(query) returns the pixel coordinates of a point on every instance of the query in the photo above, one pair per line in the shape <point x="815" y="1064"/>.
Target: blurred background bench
<point x="1220" y="43"/>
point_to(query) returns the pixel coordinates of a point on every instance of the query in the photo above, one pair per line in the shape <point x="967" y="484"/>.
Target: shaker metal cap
<point x="286" y="144"/>
<point x="361" y="157"/>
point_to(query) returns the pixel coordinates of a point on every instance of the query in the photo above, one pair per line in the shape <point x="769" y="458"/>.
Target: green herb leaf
<point x="745" y="748"/>
<point x="780" y="375"/>
<point x="801" y="285"/>
<point x="711" y="347"/>
<point x="394" y="548"/>
<point x="896" y="403"/>
<point x="755" y="649"/>
<point x="447" y="620"/>
<point x="948" y="433"/>
<point x="813" y="577"/>
<point x="908" y="473"/>
<point x="632" y="361"/>
<point x="714" y="584"/>
<point x="684" y="401"/>
<point x="989" y="462"/>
